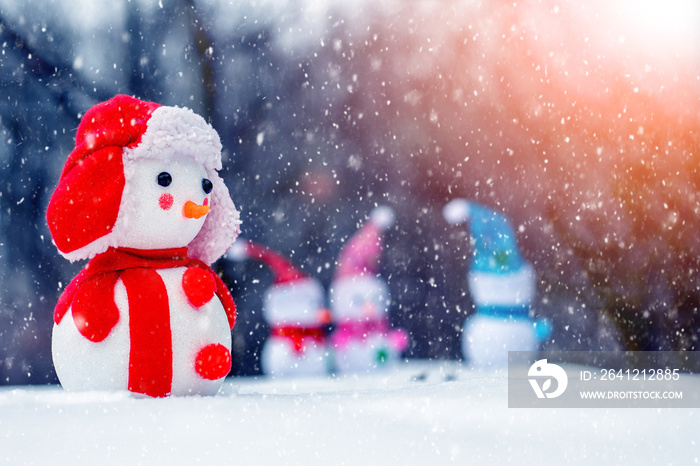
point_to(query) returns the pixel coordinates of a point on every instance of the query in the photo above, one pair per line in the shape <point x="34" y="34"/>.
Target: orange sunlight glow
<point x="668" y="23"/>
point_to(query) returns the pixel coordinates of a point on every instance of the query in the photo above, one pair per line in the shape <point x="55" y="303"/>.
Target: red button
<point x="213" y="362"/>
<point x="199" y="286"/>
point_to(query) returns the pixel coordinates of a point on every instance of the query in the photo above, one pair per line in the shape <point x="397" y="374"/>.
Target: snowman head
<point x="359" y="298"/>
<point x="298" y="303"/>
<point x="143" y="176"/>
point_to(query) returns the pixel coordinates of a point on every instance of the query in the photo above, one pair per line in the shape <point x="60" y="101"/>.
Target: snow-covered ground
<point x="418" y="413"/>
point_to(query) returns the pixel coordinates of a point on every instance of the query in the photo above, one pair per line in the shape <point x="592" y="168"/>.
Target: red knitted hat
<point x="284" y="271"/>
<point x="85" y="214"/>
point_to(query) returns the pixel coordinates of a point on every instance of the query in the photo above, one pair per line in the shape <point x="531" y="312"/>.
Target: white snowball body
<point x="279" y="359"/>
<point x="84" y="365"/>
<point x="486" y="340"/>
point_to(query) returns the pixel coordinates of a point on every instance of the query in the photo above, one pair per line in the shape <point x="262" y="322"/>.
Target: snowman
<point x="294" y="308"/>
<point x="363" y="339"/>
<point x="141" y="198"/>
<point x="502" y="286"/>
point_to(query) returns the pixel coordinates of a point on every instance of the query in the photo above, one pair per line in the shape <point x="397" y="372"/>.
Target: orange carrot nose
<point x="193" y="210"/>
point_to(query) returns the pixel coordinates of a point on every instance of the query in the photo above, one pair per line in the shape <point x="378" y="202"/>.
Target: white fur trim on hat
<point x="90" y="250"/>
<point x="456" y="211"/>
<point x="175" y="130"/>
<point x="238" y="252"/>
<point x="383" y="217"/>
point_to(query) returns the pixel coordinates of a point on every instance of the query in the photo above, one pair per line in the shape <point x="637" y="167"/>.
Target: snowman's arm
<point x="227" y="301"/>
<point x="94" y="311"/>
<point x="66" y="298"/>
<point x="221" y="291"/>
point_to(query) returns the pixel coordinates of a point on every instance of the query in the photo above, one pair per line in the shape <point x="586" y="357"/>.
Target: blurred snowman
<point x="294" y="308"/>
<point x="363" y="339"/>
<point x="502" y="285"/>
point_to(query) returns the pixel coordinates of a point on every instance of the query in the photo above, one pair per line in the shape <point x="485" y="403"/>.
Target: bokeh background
<point x="578" y="120"/>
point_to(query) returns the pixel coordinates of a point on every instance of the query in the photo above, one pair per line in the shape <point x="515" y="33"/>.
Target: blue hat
<point x="495" y="249"/>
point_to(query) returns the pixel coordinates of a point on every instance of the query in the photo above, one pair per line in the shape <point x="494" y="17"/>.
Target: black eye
<point x="164" y="179"/>
<point x="207" y="186"/>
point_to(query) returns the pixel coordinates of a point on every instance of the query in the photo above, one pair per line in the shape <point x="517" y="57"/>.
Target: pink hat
<point x="85" y="214"/>
<point x="360" y="256"/>
<point x="283" y="270"/>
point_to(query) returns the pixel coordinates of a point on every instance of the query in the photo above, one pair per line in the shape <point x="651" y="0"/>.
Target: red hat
<point x="85" y="214"/>
<point x="360" y="256"/>
<point x="283" y="270"/>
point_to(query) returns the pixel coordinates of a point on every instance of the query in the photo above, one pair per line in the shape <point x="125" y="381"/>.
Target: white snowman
<point x="141" y="197"/>
<point x="294" y="308"/>
<point x="363" y="339"/>
<point x="502" y="285"/>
